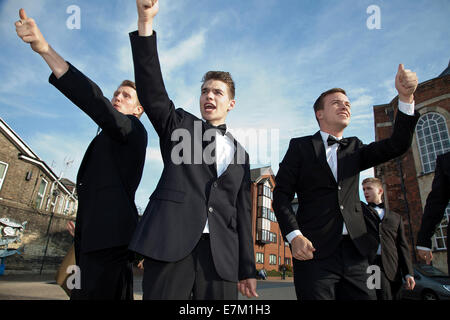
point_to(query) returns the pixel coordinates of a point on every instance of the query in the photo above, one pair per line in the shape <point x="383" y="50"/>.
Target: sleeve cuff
<point x="292" y="235"/>
<point x="407" y="108"/>
<point x="423" y="248"/>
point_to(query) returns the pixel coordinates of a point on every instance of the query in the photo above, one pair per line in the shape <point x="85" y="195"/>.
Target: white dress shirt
<point x="331" y="155"/>
<point x="224" y="154"/>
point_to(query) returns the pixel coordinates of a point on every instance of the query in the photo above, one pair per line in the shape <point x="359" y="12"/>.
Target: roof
<point x="257" y="173"/>
<point x="26" y="154"/>
<point x="446" y="72"/>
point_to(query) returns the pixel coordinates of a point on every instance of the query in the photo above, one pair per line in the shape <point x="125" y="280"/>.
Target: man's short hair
<point x="221" y="76"/>
<point x="318" y="105"/>
<point x="374" y="181"/>
<point x="131" y="84"/>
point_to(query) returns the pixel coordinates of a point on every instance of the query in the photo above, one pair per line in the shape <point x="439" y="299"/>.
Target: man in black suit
<point x="392" y="255"/>
<point x="107" y="178"/>
<point x="195" y="233"/>
<point x="437" y="201"/>
<point x="328" y="236"/>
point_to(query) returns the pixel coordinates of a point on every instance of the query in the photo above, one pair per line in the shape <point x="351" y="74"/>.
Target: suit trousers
<point x="192" y="278"/>
<point x="389" y="289"/>
<point x="105" y="275"/>
<point x="341" y="276"/>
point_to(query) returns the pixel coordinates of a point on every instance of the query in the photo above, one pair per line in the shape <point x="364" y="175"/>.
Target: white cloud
<point x="153" y="154"/>
<point x="186" y="51"/>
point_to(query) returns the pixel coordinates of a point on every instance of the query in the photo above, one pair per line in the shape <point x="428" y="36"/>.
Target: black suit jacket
<point x="390" y="233"/>
<point x="190" y="192"/>
<point x="437" y="201"/>
<point x="111" y="168"/>
<point x="325" y="204"/>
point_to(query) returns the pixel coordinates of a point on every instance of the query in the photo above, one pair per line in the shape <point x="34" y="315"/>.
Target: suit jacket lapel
<point x="319" y="151"/>
<point x="211" y="167"/>
<point x="235" y="160"/>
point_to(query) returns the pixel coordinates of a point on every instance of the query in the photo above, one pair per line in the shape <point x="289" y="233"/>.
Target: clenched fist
<point x="406" y="84"/>
<point x="147" y="10"/>
<point x="302" y="248"/>
<point x="28" y="31"/>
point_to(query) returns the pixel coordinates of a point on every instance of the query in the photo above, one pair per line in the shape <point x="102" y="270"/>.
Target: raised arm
<point x="404" y="124"/>
<point x="147" y="70"/>
<point x="75" y="85"/>
<point x="29" y="32"/>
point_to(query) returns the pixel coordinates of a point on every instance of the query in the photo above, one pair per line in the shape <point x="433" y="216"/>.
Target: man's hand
<point x="425" y="255"/>
<point x="28" y="31"/>
<point x="247" y="288"/>
<point x="302" y="248"/>
<point x="406" y="84"/>
<point x="410" y="283"/>
<point x="71" y="228"/>
<point x="147" y="10"/>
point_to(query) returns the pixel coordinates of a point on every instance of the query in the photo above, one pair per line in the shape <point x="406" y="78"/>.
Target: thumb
<point x="401" y="67"/>
<point x="22" y="14"/>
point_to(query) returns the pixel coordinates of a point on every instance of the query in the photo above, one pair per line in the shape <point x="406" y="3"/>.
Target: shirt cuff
<point x="423" y="248"/>
<point x="292" y="235"/>
<point x="408" y="276"/>
<point x="407" y="108"/>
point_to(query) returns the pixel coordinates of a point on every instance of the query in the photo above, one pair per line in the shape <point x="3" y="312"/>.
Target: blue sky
<point x="282" y="55"/>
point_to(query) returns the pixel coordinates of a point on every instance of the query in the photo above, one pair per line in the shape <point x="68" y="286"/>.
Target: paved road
<point x="36" y="287"/>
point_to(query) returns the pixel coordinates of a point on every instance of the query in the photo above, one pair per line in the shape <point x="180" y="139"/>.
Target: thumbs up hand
<point x="406" y="84"/>
<point x="28" y="31"/>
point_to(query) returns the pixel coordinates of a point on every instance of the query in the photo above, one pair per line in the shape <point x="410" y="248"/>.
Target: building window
<point x="432" y="139"/>
<point x="266" y="236"/>
<point x="41" y="193"/>
<point x="272" y="259"/>
<point x="3" y="169"/>
<point x="440" y="236"/>
<point x="260" y="257"/>
<point x="287" y="261"/>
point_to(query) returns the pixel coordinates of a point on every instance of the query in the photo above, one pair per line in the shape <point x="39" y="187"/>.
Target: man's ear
<point x="319" y="114"/>
<point x="231" y="105"/>
<point x="138" y="111"/>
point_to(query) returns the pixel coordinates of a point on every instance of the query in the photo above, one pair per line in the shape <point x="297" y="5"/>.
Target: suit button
<point x="215" y="184"/>
<point x="342" y="207"/>
<point x="210" y="209"/>
<point x="339" y="188"/>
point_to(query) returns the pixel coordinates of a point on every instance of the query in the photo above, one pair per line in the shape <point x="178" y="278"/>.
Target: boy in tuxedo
<point x="108" y="176"/>
<point x="195" y="233"/>
<point x="328" y="235"/>
<point x="392" y="254"/>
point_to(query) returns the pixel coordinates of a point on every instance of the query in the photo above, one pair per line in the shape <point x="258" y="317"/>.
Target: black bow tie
<point x="373" y="205"/>
<point x="332" y="140"/>
<point x="222" y="128"/>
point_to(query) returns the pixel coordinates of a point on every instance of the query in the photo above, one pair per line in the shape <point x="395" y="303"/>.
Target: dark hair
<point x="318" y="105"/>
<point x="221" y="76"/>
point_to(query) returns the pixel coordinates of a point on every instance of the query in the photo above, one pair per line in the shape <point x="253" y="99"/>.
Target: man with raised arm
<point x="328" y="235"/>
<point x="108" y="175"/>
<point x="195" y="233"/>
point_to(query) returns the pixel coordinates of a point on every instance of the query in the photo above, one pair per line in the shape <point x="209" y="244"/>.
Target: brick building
<point x="407" y="180"/>
<point x="271" y="252"/>
<point x="30" y="191"/>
